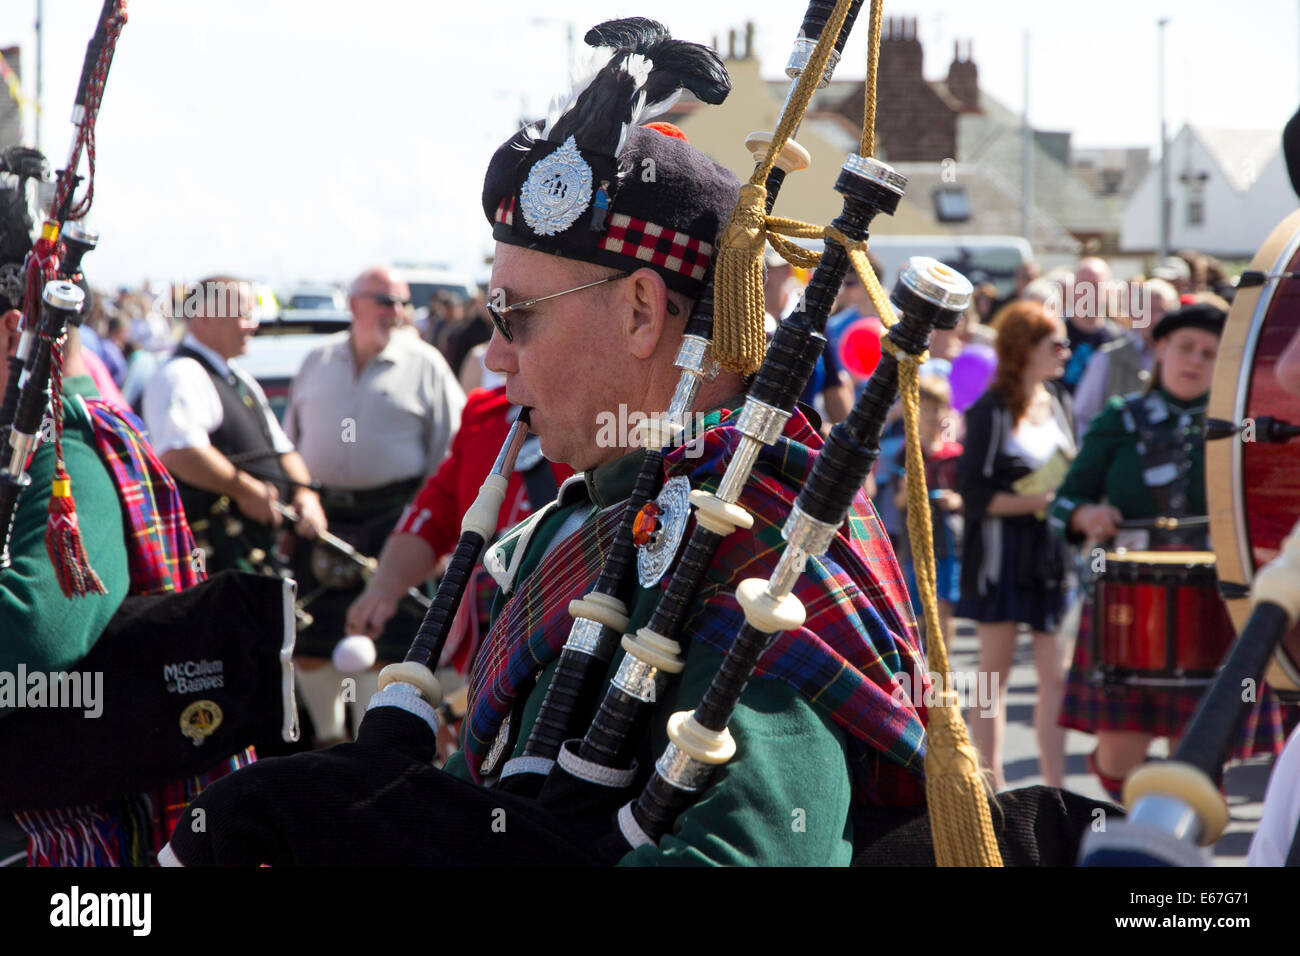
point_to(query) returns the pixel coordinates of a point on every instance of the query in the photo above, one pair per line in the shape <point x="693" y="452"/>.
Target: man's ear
<point x="645" y="300"/>
<point x="9" y="334"/>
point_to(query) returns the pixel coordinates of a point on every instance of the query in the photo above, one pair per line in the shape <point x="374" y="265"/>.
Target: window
<point x="951" y="204"/>
<point x="1196" y="212"/>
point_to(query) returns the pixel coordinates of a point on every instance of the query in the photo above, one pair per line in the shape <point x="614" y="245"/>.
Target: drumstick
<point x="272" y="476"/>
<point x="367" y="563"/>
<point x="1163" y="523"/>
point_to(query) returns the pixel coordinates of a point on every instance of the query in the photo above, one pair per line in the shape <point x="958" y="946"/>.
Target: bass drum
<point x="1253" y="483"/>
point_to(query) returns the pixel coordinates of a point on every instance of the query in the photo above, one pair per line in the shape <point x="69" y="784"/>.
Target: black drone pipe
<point x="62" y="301"/>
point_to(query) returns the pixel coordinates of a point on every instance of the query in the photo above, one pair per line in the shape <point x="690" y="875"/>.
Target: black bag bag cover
<point x="189" y="679"/>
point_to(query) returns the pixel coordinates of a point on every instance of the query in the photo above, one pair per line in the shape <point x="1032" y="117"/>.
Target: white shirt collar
<point x="220" y="364"/>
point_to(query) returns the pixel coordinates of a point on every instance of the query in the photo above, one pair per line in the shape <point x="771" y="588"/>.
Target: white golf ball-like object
<point x="354" y="654"/>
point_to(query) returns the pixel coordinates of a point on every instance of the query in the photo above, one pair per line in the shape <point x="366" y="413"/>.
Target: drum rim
<point x="1229" y="396"/>
<point x="1163" y="558"/>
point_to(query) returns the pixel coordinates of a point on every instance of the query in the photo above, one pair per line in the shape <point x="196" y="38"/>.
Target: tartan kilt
<point x="1163" y="712"/>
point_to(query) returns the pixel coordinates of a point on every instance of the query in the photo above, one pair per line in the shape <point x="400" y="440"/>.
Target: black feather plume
<point x="677" y="63"/>
<point x="597" y="119"/>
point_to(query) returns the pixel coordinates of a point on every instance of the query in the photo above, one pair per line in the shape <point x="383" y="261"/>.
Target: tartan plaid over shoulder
<point x="859" y="634"/>
<point x="860" y="630"/>
<point x="158" y="538"/>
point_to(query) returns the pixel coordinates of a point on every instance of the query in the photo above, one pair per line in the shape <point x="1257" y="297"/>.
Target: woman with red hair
<point x="1019" y="440"/>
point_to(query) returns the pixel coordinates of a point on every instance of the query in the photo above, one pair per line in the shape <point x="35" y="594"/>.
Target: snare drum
<point x="1159" y="620"/>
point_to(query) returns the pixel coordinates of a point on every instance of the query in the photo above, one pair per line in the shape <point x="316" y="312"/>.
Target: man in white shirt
<point x="373" y="411"/>
<point x="215" y="432"/>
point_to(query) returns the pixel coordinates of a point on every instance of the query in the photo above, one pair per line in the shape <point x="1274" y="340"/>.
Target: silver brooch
<point x="557" y="191"/>
<point x="659" y="528"/>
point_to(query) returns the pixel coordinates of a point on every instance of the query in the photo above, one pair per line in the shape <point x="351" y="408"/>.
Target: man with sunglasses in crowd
<point x="373" y="411"/>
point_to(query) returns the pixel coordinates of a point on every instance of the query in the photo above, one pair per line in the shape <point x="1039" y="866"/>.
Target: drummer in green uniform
<point x="1144" y="457"/>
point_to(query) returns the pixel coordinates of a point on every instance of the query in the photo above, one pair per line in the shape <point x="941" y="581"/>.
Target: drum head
<point x="1252" y="486"/>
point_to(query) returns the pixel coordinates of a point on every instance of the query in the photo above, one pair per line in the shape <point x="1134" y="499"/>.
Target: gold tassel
<point x="960" y="822"/>
<point x="738" y="340"/>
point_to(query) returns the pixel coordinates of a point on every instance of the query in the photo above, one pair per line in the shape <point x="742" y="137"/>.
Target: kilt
<point x="1163" y="712"/>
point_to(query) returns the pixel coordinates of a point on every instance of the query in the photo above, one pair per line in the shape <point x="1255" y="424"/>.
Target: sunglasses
<point x="388" y="301"/>
<point x="503" y="324"/>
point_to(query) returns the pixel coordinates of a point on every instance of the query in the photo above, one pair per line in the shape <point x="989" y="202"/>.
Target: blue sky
<point x="298" y="140"/>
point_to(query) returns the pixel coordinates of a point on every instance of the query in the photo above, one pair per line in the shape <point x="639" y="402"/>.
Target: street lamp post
<point x="1164" y="148"/>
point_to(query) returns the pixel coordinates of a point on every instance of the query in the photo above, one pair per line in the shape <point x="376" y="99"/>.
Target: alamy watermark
<point x="618" y="430"/>
<point x="974" y="690"/>
<point x="75" y="690"/>
<point x="1109" y="298"/>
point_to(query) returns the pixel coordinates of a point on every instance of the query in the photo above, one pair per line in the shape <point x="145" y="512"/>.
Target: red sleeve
<point x="435" y="513"/>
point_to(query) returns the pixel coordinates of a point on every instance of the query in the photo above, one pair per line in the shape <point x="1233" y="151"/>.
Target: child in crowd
<point x="939" y="427"/>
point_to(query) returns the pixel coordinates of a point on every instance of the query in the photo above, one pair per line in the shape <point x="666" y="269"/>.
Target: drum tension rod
<point x="1267" y="429"/>
<point x="1253" y="277"/>
<point x="1232" y="591"/>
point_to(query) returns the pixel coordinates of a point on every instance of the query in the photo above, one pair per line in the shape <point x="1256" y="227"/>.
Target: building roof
<point x="994" y="206"/>
<point x="992" y="139"/>
<point x="1241" y="154"/>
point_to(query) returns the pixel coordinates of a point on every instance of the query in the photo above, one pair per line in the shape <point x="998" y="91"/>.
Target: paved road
<point x="1244" y="782"/>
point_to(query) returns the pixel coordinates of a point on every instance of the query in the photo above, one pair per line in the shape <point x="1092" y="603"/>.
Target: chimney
<point x="900" y="50"/>
<point x="731" y="44"/>
<point x="963" y="79"/>
<point x="749" y="39"/>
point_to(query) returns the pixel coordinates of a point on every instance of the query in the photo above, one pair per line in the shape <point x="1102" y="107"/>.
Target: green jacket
<point x="1109" y="468"/>
<point x="39" y="627"/>
<point x="783" y="800"/>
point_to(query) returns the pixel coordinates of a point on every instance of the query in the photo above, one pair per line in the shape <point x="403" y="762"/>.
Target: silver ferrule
<point x="937" y="283"/>
<point x="584" y="636"/>
<point x="682" y="770"/>
<point x="693" y="356"/>
<point x="25" y="344"/>
<point x="760" y="421"/>
<point x="801" y="56"/>
<point x="81" y="233"/>
<point x="636" y="678"/>
<point x="1169" y="815"/>
<point x="62" y="294"/>
<point x="20" y="445"/>
<point x="873" y="170"/>
<point x="806" y="532"/>
<point x="505" y="463"/>
<point x="738" y="469"/>
<point x="683" y="400"/>
<point x="787" y="572"/>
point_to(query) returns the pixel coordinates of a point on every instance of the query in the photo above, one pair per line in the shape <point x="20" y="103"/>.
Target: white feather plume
<point x="638" y="67"/>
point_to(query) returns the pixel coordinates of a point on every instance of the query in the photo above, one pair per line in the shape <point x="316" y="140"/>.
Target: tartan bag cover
<point x="859" y="634"/>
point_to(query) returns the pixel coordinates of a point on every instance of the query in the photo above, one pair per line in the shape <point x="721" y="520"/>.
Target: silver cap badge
<point x="557" y="191"/>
